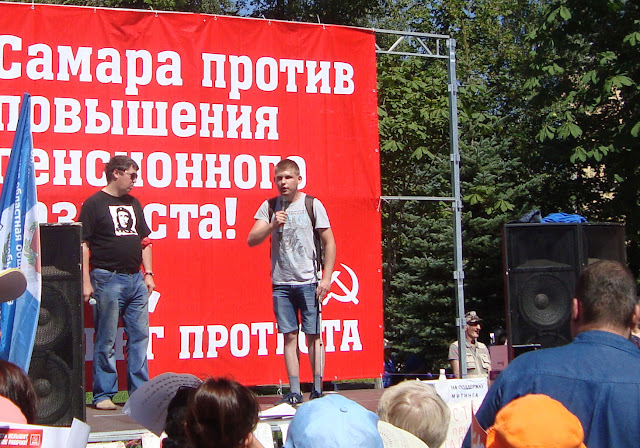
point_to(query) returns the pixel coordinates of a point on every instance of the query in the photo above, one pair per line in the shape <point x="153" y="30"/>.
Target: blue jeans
<point x="118" y="295"/>
<point x="291" y="300"/>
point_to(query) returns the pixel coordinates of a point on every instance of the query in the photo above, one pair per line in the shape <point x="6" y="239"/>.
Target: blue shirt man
<point x="597" y="376"/>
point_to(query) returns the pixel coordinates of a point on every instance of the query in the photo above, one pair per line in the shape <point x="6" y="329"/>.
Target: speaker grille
<point x="51" y="378"/>
<point x="544" y="301"/>
<point x="54" y="321"/>
<point x="57" y="363"/>
<point x="542" y="264"/>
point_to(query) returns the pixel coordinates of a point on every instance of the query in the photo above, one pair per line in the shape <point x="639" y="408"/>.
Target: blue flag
<point x="20" y="244"/>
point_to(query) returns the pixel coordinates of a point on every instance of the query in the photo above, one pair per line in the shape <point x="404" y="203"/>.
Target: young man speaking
<point x="299" y="284"/>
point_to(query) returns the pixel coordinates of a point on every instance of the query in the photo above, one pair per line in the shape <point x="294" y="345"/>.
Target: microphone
<point x="283" y="206"/>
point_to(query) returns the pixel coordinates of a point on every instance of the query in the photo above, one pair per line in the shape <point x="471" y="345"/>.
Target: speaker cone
<point x="51" y="378"/>
<point x="54" y="319"/>
<point x="544" y="301"/>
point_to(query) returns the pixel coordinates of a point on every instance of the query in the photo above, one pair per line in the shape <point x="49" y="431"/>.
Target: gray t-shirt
<point x="292" y="248"/>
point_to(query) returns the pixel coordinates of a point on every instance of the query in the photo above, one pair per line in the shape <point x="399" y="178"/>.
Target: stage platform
<point x="108" y="426"/>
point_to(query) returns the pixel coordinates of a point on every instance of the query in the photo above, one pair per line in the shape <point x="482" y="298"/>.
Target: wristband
<point x="149" y="273"/>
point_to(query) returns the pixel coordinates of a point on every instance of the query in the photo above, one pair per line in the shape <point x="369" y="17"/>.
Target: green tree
<point x="202" y="6"/>
<point x="415" y="161"/>
<point x="582" y="79"/>
<point x="417" y="235"/>
<point x="341" y="12"/>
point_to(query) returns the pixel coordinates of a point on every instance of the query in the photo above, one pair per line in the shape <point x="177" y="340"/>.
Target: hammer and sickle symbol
<point x="350" y="295"/>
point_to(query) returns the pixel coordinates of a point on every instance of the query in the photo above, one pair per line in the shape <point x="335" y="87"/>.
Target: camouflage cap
<point x="472" y="317"/>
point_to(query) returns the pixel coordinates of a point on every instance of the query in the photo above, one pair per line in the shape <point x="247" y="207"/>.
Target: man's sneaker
<point x="106" y="405"/>
<point x="291" y="398"/>
<point x="315" y="394"/>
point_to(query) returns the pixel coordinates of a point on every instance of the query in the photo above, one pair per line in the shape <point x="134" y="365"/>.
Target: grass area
<point x="121" y="397"/>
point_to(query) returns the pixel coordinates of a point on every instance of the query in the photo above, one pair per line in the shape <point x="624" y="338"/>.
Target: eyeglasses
<point x="473" y="324"/>
<point x="132" y="176"/>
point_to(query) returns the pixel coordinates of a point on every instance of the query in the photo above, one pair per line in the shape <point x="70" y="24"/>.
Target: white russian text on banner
<point x="207" y="106"/>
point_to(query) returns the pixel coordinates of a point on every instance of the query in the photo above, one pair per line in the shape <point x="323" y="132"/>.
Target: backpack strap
<point x="318" y="260"/>
<point x="272" y="206"/>
<point x="308" y="203"/>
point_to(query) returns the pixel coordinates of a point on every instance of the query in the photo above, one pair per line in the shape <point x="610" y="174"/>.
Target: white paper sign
<point x="463" y="396"/>
<point x="76" y="436"/>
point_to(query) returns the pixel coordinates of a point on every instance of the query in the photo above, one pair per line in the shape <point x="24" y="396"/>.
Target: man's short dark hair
<point x="288" y="164"/>
<point x="121" y="163"/>
<point x="607" y="292"/>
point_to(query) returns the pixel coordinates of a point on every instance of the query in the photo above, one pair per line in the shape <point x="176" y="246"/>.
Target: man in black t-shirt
<point x="114" y="244"/>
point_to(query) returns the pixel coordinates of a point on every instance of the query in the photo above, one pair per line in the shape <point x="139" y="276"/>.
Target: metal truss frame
<point x="440" y="46"/>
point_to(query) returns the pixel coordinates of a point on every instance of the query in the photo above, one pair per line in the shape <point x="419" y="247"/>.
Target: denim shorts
<point x="291" y="300"/>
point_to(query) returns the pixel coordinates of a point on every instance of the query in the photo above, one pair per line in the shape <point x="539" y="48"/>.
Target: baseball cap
<point x="333" y="421"/>
<point x="148" y="404"/>
<point x="471" y="317"/>
<point x="535" y="420"/>
<point x="13" y="283"/>
<point x="394" y="437"/>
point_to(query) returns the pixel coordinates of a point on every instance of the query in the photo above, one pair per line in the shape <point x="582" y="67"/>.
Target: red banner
<point x="207" y="105"/>
<point x="20" y="437"/>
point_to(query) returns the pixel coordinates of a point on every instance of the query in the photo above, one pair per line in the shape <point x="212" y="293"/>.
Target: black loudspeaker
<point x="57" y="363"/>
<point x="542" y="264"/>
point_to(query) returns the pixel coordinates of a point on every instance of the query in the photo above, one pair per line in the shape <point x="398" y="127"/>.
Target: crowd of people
<point x="581" y="394"/>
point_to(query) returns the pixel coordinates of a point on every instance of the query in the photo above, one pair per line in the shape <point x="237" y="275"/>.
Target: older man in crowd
<point x="477" y="353"/>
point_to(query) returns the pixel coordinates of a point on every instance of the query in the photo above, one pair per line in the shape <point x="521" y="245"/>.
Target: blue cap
<point x="333" y="421"/>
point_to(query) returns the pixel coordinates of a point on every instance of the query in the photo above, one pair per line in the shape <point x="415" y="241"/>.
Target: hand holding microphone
<point x="281" y="215"/>
<point x="87" y="293"/>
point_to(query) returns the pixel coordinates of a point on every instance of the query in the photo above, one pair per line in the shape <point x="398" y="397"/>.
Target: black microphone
<point x="283" y="206"/>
